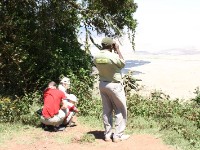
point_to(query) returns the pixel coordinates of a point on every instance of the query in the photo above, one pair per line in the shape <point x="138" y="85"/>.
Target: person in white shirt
<point x="64" y="85"/>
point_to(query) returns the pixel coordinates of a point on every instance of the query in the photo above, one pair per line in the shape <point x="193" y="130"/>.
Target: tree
<point x="38" y="40"/>
<point x="108" y="17"/>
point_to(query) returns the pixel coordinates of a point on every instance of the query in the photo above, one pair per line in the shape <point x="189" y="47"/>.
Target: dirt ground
<point x="37" y="139"/>
<point x="181" y="77"/>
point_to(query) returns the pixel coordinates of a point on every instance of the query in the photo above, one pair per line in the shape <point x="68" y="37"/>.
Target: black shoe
<point x="51" y="128"/>
<point x="63" y="125"/>
<point x="42" y="126"/>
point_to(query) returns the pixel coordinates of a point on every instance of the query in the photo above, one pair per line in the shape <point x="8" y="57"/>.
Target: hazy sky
<point x="167" y="24"/>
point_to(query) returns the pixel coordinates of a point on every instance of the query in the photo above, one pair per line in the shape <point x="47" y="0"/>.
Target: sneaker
<point x="122" y="138"/>
<point x="108" y="137"/>
<point x="60" y="128"/>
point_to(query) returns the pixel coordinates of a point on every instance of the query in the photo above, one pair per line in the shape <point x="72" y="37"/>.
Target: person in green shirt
<point x="109" y="63"/>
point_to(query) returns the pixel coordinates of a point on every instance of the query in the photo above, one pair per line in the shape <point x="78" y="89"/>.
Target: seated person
<point x="54" y="109"/>
<point x="71" y="110"/>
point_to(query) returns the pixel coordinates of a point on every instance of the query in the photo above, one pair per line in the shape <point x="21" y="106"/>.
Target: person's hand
<point x="115" y="47"/>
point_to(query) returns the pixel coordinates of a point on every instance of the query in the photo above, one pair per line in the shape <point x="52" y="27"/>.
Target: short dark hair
<point x="52" y="83"/>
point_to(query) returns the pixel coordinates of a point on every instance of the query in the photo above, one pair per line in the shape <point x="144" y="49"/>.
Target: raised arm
<point x="116" y="49"/>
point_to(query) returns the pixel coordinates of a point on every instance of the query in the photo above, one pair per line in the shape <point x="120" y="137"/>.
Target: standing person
<point x="109" y="62"/>
<point x="54" y="109"/>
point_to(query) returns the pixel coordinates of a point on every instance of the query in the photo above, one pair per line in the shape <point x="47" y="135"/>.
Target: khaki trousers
<point x="114" y="101"/>
<point x="56" y="120"/>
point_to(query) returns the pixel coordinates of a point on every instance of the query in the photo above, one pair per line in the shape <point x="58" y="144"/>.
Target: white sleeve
<point x="62" y="88"/>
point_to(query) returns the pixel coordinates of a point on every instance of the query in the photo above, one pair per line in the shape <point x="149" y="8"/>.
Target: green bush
<point x="197" y="97"/>
<point x="6" y="109"/>
<point x="81" y="87"/>
<point x="87" y="138"/>
<point x="181" y="117"/>
<point x="130" y="83"/>
<point x="21" y="109"/>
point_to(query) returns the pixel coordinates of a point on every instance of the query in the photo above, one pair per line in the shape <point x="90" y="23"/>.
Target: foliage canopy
<point x="39" y="40"/>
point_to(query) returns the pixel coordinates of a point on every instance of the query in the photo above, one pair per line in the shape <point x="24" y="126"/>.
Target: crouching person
<point x="54" y="109"/>
<point x="71" y="110"/>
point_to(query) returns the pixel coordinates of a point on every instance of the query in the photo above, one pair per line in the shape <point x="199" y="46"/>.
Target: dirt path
<point x="38" y="139"/>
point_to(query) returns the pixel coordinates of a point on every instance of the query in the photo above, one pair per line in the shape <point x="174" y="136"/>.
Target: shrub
<point x="197" y="97"/>
<point x="21" y="109"/>
<point x="6" y="109"/>
<point x="130" y="83"/>
<point x="181" y="117"/>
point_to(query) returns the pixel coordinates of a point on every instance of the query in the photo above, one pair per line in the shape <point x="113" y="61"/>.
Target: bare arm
<point x="64" y="104"/>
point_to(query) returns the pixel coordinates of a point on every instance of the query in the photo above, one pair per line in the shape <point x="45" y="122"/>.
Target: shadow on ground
<point x="97" y="134"/>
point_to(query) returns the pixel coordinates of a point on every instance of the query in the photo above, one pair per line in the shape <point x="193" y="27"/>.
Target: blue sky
<point x="167" y="24"/>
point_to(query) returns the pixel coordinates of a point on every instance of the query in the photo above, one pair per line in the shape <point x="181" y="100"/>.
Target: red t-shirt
<point x="52" y="100"/>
